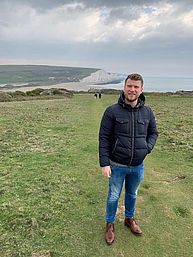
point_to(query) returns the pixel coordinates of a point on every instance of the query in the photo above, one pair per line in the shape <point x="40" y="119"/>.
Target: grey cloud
<point x="148" y="58"/>
<point x="166" y="48"/>
<point x="123" y="14"/>
<point x="123" y="9"/>
<point x="47" y="4"/>
<point x="4" y="23"/>
<point x="93" y="3"/>
<point x="40" y="4"/>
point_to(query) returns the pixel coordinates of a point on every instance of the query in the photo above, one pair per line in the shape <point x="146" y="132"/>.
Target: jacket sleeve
<point x="152" y="132"/>
<point x="105" y="137"/>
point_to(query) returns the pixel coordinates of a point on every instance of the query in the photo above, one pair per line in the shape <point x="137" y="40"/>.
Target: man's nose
<point x="132" y="89"/>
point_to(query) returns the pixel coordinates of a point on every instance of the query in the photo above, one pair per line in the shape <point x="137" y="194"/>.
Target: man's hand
<point x="106" y="171"/>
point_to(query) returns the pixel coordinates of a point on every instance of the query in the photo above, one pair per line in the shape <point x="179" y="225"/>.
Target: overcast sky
<point x="154" y="38"/>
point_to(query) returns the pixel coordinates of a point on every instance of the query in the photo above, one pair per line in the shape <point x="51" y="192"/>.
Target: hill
<point x="42" y="74"/>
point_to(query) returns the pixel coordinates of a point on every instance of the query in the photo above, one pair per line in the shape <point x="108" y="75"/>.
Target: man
<point x="127" y="134"/>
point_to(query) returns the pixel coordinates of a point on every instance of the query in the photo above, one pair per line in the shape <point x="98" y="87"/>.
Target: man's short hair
<point x="134" y="76"/>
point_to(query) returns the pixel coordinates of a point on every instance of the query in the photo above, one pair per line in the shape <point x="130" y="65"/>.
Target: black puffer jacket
<point x="127" y="134"/>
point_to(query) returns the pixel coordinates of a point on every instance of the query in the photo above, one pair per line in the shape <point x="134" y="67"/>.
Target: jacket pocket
<point x="142" y="127"/>
<point x="114" y="148"/>
<point x="122" y="126"/>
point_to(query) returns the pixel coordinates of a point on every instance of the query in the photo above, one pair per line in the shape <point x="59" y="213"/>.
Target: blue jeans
<point x="132" y="177"/>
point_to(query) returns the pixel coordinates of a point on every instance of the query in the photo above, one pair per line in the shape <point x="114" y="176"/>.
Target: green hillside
<point x="53" y="194"/>
<point x="42" y="74"/>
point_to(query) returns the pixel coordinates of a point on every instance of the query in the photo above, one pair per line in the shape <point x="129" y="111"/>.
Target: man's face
<point x="132" y="90"/>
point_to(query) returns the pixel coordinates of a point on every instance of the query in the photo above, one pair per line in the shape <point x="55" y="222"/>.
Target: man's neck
<point x="133" y="104"/>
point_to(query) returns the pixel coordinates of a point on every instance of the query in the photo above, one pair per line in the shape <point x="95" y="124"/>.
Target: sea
<point x="151" y="84"/>
<point x="160" y="84"/>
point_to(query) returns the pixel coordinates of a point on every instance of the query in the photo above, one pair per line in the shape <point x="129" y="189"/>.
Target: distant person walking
<point x="100" y="95"/>
<point x="95" y="95"/>
<point x="127" y="134"/>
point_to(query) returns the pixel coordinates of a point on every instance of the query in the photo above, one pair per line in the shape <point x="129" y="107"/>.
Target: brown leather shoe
<point x="109" y="234"/>
<point x="135" y="229"/>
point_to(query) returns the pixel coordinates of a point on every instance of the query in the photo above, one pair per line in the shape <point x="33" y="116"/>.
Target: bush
<point x="56" y="91"/>
<point x="5" y="97"/>
<point x="17" y="94"/>
<point x="35" y="92"/>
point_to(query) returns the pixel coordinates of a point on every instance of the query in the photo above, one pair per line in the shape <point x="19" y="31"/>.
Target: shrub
<point x="56" y="91"/>
<point x="17" y="94"/>
<point x="5" y="97"/>
<point x="35" y="92"/>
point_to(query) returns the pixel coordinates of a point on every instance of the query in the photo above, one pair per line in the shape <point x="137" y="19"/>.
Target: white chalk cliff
<point x="101" y="76"/>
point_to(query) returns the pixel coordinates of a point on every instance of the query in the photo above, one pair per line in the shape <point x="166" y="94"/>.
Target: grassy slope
<point x="53" y="195"/>
<point x="41" y="74"/>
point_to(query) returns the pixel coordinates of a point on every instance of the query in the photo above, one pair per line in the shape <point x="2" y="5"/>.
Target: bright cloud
<point x="74" y="22"/>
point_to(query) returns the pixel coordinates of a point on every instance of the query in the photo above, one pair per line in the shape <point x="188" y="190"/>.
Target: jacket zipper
<point x="132" y="136"/>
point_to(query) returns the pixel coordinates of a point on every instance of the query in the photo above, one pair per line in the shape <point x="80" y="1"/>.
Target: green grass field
<point x="52" y="193"/>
